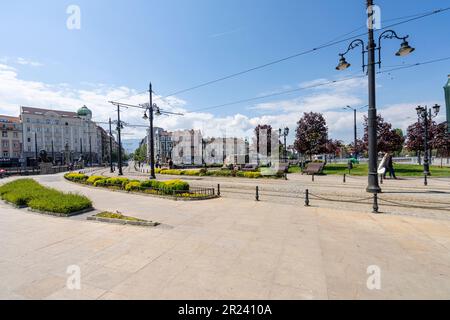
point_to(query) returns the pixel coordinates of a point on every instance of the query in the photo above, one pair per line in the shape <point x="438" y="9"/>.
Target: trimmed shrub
<point x="77" y="177"/>
<point x="191" y="172"/>
<point x="174" y="172"/>
<point x="100" y="183"/>
<point x="249" y="174"/>
<point x="61" y="203"/>
<point x="27" y="192"/>
<point x="92" y="179"/>
<point x="170" y="186"/>
<point x="117" y="182"/>
<point x="133" y="186"/>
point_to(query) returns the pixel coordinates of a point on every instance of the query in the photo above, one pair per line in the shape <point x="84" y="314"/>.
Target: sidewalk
<point x="221" y="249"/>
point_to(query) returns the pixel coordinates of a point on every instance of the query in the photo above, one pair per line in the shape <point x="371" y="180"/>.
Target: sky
<point x="120" y="46"/>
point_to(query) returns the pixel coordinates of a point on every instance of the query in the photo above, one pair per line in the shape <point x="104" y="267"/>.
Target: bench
<point x="314" y="168"/>
<point x="249" y="167"/>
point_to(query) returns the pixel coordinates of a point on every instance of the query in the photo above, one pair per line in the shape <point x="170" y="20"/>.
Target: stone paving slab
<point x="221" y="249"/>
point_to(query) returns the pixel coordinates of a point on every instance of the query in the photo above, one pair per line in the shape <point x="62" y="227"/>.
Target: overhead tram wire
<point x="318" y="85"/>
<point x="323" y="46"/>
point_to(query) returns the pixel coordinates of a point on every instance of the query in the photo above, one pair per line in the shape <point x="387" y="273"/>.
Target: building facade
<point x="162" y="144"/>
<point x="11" y="139"/>
<point x="68" y="136"/>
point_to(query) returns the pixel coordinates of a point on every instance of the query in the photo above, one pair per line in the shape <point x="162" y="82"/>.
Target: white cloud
<point x="15" y="92"/>
<point x="21" y="61"/>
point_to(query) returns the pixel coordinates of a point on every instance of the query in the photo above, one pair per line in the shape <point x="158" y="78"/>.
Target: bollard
<point x="381" y="178"/>
<point x="285" y="176"/>
<point x="306" y="198"/>
<point x="375" y="203"/>
<point x="257" y="193"/>
<point x="345" y="178"/>
<point x="218" y="189"/>
<point x="312" y="179"/>
<point x="425" y="180"/>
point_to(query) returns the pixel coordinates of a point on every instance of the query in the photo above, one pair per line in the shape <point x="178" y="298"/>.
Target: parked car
<point x="2" y="173"/>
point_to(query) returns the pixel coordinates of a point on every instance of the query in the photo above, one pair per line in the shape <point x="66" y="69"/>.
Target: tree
<point x="311" y="134"/>
<point x="415" y="137"/>
<point x="441" y="139"/>
<point x="388" y="139"/>
<point x="333" y="147"/>
<point x="360" y="147"/>
<point x="141" y="153"/>
<point x="258" y="130"/>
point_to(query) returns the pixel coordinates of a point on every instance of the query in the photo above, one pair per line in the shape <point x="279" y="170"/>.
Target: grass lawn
<point x="29" y="193"/>
<point x="401" y="170"/>
<point x="119" y="216"/>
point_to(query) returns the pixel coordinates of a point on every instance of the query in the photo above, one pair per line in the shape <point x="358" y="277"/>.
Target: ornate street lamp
<point x="405" y="49"/>
<point x="426" y="116"/>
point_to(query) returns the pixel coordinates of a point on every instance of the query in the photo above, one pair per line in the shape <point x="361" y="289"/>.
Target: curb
<point x="62" y="215"/>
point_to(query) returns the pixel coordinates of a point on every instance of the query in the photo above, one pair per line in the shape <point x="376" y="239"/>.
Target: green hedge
<point x="92" y="179"/>
<point x="149" y="186"/>
<point x="77" y="177"/>
<point x="117" y="182"/>
<point x="133" y="186"/>
<point x="216" y="173"/>
<point x="27" y="192"/>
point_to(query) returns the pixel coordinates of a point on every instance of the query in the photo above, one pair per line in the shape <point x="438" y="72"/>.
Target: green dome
<point x="84" y="111"/>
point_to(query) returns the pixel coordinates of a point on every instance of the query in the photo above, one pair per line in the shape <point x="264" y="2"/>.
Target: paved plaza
<point x="227" y="248"/>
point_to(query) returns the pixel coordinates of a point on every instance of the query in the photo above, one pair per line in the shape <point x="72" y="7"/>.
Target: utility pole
<point x="373" y="186"/>
<point x="110" y="147"/>
<point x="152" y="143"/>
<point x="119" y="162"/>
<point x="81" y="149"/>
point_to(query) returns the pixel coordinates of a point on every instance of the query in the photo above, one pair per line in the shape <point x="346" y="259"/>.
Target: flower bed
<point x="217" y="173"/>
<point x="29" y="193"/>
<point x="121" y="219"/>
<point x="172" y="188"/>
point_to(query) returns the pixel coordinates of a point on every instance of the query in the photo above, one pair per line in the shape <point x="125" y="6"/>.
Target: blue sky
<point x="122" y="45"/>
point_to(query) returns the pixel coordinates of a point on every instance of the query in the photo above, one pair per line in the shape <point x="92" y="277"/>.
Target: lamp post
<point x="426" y="115"/>
<point x="284" y="133"/>
<point x="110" y="147"/>
<point x="152" y="109"/>
<point x="119" y="128"/>
<point x="355" y="128"/>
<point x="405" y="49"/>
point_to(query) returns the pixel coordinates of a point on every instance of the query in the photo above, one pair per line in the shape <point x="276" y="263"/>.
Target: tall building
<point x="11" y="138"/>
<point x="162" y="144"/>
<point x="69" y="136"/>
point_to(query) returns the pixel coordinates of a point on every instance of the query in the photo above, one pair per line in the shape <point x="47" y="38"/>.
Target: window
<point x="5" y="154"/>
<point x="29" y="140"/>
<point x="15" y="135"/>
<point x="48" y="121"/>
<point x="5" y="134"/>
<point x="29" y="149"/>
<point x="28" y="129"/>
<point x="5" y="144"/>
<point x="38" y="129"/>
<point x="28" y="120"/>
